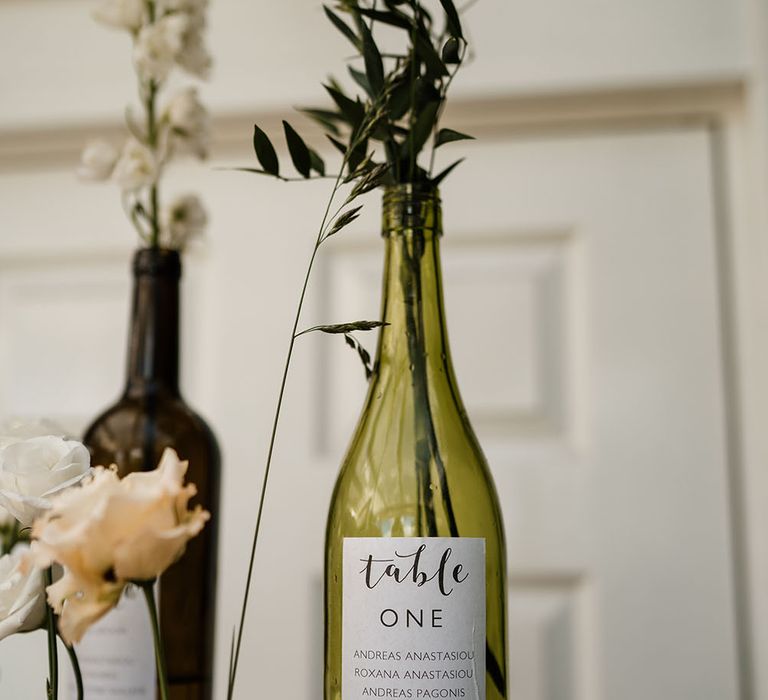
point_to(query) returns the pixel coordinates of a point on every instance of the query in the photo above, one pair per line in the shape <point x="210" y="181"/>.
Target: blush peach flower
<point x="111" y="532"/>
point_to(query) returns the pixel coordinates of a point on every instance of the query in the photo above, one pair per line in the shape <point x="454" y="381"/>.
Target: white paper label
<point x="116" y="655"/>
<point x="413" y="618"/>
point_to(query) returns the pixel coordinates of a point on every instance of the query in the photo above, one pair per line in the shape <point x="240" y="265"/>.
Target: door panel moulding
<point x="490" y="117"/>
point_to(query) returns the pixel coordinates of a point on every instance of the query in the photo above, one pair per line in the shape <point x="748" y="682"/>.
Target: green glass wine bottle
<point x="116" y="654"/>
<point x="415" y="569"/>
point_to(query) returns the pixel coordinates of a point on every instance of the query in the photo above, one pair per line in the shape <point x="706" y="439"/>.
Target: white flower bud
<point x="158" y="46"/>
<point x="189" y="122"/>
<point x="194" y="57"/>
<point x="183" y="220"/>
<point x="97" y="161"/>
<point x="137" y="166"/>
<point x="122" y="14"/>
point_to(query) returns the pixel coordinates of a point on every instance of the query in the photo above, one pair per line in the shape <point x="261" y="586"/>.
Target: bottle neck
<point x="153" y="340"/>
<point x="415" y="337"/>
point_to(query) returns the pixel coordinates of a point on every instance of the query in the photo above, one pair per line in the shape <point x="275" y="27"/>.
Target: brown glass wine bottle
<point x="150" y="416"/>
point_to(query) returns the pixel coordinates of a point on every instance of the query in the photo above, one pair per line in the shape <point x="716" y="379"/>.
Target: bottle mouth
<point x="157" y="262"/>
<point x="411" y="207"/>
<point x="411" y="192"/>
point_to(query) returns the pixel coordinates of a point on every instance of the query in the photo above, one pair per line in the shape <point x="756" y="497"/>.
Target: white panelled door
<point x="582" y="296"/>
<point x="581" y="278"/>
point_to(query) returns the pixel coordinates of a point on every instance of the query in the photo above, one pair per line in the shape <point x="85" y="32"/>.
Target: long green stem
<point x="154" y="196"/>
<point x="439" y="114"/>
<point x="427" y="448"/>
<point x="150" y="108"/>
<point x="162" y="673"/>
<point x="434" y="448"/>
<point x="412" y="116"/>
<point x="418" y="380"/>
<point x="75" y="667"/>
<point x="289" y="355"/>
<point x="53" y="654"/>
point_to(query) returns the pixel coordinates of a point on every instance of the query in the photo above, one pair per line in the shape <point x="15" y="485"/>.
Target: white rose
<point x="111" y="532"/>
<point x="122" y="14"/>
<point x="137" y="166"/>
<point x="189" y="123"/>
<point x="22" y="599"/>
<point x="158" y="46"/>
<point x="183" y="220"/>
<point x="34" y="470"/>
<point x="97" y="161"/>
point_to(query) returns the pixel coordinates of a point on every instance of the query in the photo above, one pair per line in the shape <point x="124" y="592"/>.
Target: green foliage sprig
<point x="336" y="217"/>
<point x="381" y="133"/>
<point x="401" y="96"/>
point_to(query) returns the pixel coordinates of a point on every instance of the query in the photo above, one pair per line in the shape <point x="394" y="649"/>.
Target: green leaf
<point x="374" y="66"/>
<point x="344" y="220"/>
<point x="420" y="131"/>
<point x="454" y="23"/>
<point x="340" y="328"/>
<point x="302" y="160"/>
<point x="257" y="171"/>
<point x="399" y="100"/>
<point x="392" y="18"/>
<point x="357" y="156"/>
<point x="325" y="117"/>
<point x="365" y="358"/>
<point x="370" y="181"/>
<point x="338" y="145"/>
<point x="343" y="27"/>
<point x="426" y="92"/>
<point x="362" y="168"/>
<point x="317" y="163"/>
<point x="448" y="135"/>
<point x="443" y="174"/>
<point x="361" y="79"/>
<point x="451" y="53"/>
<point x="352" y="110"/>
<point x="426" y="52"/>
<point x="265" y="151"/>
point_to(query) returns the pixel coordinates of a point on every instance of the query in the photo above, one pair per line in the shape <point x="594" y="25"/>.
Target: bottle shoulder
<point x="123" y="432"/>
<point x="163" y="407"/>
<point x="404" y="456"/>
<point x="391" y="423"/>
